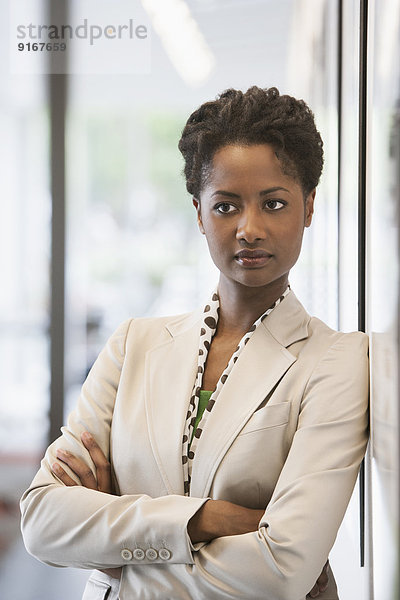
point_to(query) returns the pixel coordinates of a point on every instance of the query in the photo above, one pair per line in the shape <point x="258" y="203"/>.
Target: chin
<point x="255" y="283"/>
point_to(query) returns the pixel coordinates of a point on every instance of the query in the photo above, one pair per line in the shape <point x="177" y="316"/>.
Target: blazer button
<point x="126" y="554"/>
<point x="151" y="554"/>
<point x="138" y="554"/>
<point x="164" y="554"/>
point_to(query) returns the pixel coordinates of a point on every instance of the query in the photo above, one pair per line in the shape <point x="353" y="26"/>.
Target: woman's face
<point x="253" y="215"/>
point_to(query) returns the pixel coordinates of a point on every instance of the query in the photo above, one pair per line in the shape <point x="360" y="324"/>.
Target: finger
<point x="103" y="467"/>
<point x="314" y="592"/>
<point x="323" y="579"/>
<point x="79" y="467"/>
<point x="61" y="474"/>
<point x="113" y="572"/>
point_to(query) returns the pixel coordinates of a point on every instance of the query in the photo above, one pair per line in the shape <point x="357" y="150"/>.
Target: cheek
<point x="215" y="243"/>
<point x="218" y="241"/>
<point x="288" y="230"/>
<point x="215" y="231"/>
<point x="288" y="238"/>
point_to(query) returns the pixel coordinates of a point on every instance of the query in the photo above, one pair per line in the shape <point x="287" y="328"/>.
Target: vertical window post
<point x="57" y="90"/>
<point x="362" y="156"/>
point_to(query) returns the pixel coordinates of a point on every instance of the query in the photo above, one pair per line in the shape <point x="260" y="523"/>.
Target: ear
<point x="196" y="204"/>
<point x="309" y="208"/>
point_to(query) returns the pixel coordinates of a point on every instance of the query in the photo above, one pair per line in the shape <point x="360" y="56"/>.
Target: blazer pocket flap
<point x="271" y="415"/>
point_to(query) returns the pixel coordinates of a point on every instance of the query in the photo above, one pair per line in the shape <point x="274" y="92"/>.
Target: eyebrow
<point x="262" y="193"/>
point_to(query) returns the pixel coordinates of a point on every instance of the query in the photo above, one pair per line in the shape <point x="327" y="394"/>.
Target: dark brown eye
<point x="274" y="204"/>
<point x="224" y="208"/>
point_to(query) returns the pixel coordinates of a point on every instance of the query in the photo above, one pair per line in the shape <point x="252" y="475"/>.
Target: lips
<point x="252" y="258"/>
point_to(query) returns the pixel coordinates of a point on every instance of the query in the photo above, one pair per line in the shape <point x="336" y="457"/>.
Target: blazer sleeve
<point x="79" y="527"/>
<point x="282" y="560"/>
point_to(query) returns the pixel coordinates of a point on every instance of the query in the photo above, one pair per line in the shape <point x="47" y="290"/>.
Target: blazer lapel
<point x="170" y="374"/>
<point x="261" y="364"/>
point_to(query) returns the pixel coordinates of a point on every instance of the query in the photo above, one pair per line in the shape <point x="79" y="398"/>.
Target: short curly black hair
<point x="258" y="116"/>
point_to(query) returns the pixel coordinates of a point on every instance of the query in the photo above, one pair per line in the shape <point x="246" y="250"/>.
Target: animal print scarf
<point x="207" y="331"/>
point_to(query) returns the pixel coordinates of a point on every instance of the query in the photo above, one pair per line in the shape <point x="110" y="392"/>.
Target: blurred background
<point x="97" y="225"/>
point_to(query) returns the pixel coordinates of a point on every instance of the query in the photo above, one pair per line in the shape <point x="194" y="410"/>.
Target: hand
<point x="217" y="518"/>
<point x="321" y="584"/>
<point x="102" y="481"/>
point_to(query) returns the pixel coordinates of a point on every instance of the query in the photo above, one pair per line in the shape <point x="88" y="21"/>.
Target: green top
<point x="205" y="395"/>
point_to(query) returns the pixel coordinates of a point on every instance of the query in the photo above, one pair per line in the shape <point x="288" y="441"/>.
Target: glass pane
<point x="383" y="291"/>
<point x="314" y="38"/>
<point x="348" y="240"/>
<point x="353" y="581"/>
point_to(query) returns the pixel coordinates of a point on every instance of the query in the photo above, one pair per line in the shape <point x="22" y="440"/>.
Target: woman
<point x="244" y="499"/>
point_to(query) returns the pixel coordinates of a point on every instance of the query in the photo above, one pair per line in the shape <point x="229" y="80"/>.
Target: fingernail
<point x="61" y="452"/>
<point x="57" y="469"/>
<point x="86" y="436"/>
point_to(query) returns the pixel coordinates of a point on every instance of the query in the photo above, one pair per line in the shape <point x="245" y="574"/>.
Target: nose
<point x="251" y="227"/>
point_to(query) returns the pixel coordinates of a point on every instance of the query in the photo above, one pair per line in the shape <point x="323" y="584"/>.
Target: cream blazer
<point x="287" y="434"/>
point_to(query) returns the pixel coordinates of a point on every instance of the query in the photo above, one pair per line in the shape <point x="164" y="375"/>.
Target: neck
<point x="240" y="306"/>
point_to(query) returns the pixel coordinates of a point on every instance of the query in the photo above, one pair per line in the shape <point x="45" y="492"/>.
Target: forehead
<point x="236" y="164"/>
